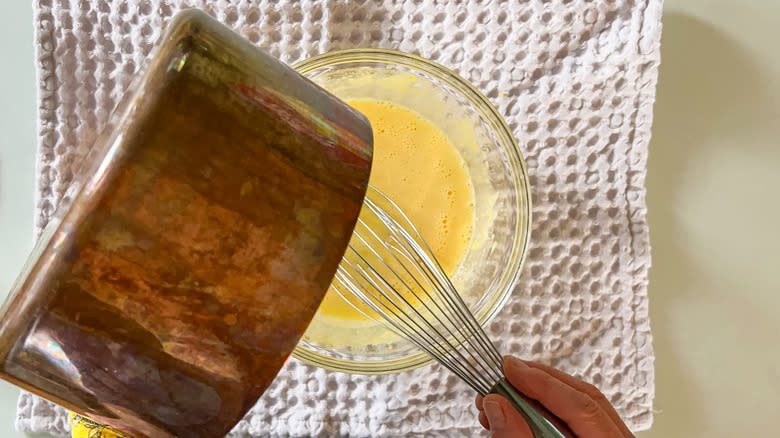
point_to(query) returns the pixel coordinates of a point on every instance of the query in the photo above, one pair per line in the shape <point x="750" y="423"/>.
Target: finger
<point x="577" y="409"/>
<point x="503" y="420"/>
<point x="585" y="387"/>
<point x="483" y="420"/>
<point x="478" y="402"/>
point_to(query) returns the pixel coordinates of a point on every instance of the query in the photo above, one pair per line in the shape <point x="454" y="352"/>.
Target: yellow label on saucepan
<point x="82" y="427"/>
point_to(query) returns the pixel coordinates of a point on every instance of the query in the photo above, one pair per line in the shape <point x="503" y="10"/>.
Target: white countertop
<point x="17" y="164"/>
<point x="713" y="177"/>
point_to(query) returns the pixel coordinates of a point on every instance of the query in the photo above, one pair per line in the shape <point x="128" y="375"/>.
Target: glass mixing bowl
<point x="502" y="207"/>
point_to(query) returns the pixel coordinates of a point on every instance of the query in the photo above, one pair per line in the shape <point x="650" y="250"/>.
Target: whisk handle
<point x="542" y="422"/>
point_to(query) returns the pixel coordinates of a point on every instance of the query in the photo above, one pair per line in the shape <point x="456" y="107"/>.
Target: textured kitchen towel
<point x="575" y="80"/>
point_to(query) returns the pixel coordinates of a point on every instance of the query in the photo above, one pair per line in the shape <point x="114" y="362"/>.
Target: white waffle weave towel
<point x="575" y="80"/>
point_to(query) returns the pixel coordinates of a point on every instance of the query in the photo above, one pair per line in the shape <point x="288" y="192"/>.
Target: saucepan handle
<point x="542" y="422"/>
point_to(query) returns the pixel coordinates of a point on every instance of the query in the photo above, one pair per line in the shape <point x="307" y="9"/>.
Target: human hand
<point x="580" y="405"/>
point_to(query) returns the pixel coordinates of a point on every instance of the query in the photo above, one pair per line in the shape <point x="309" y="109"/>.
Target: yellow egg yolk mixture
<point x="418" y="167"/>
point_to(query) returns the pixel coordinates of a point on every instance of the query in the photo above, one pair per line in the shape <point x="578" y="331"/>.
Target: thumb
<point x="504" y="420"/>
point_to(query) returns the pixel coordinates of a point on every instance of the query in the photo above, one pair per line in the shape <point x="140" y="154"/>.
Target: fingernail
<point x="494" y="414"/>
<point x="514" y="362"/>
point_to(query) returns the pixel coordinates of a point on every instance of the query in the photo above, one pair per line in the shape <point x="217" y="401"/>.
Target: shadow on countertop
<point x="708" y="87"/>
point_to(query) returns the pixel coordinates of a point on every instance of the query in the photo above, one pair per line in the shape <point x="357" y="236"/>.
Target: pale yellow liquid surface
<point x="417" y="167"/>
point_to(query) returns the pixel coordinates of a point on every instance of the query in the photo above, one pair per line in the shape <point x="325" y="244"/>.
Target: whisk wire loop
<point x="389" y="274"/>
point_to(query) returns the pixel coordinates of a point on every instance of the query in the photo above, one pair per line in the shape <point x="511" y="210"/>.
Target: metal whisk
<point x="390" y="274"/>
